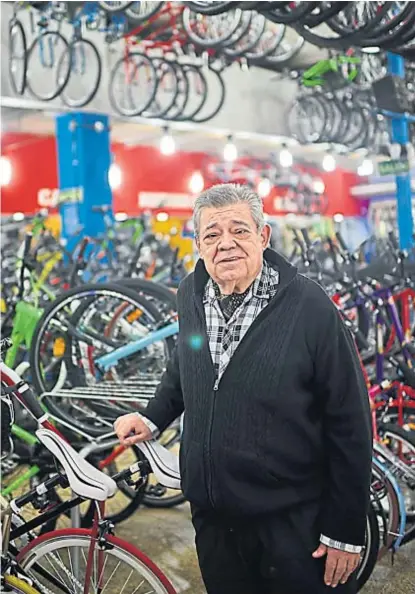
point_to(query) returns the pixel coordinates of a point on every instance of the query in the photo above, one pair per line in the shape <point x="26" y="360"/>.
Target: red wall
<point x="144" y="170"/>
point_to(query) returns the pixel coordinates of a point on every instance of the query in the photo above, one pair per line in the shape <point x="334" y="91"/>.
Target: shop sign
<point x="71" y="196"/>
<point x="167" y="200"/>
<point x="47" y="198"/>
<point x="393" y="167"/>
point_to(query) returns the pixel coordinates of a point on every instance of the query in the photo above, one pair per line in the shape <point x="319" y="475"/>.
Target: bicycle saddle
<point x="84" y="479"/>
<point x="164" y="464"/>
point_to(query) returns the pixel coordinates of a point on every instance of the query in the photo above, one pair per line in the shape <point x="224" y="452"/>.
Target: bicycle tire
<point x="18" y="586"/>
<point x="224" y="40"/>
<point x="80" y="537"/>
<point x="16" y="28"/>
<point x="120" y="64"/>
<point x="201" y="118"/>
<point x="211" y="8"/>
<point x="111" y="288"/>
<point x="187" y="115"/>
<point x="93" y="91"/>
<point x="113" y="7"/>
<point x="182" y="97"/>
<point x="299" y="12"/>
<point x="365" y="570"/>
<point x="62" y="83"/>
<point x="162" y="63"/>
<point x="132" y="15"/>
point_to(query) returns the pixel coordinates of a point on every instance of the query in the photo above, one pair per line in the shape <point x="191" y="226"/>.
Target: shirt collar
<point x="264" y="286"/>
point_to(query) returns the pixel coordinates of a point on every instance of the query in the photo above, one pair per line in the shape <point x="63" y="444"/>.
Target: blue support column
<point x="400" y="135"/>
<point x="84" y="157"/>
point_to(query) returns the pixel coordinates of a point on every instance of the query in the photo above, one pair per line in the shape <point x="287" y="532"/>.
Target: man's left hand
<point x="339" y="564"/>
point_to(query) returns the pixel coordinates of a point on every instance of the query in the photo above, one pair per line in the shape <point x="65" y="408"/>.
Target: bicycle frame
<point x="105" y="362"/>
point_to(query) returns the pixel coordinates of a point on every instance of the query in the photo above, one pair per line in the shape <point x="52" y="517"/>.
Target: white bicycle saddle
<point x="84" y="479"/>
<point x="164" y="464"/>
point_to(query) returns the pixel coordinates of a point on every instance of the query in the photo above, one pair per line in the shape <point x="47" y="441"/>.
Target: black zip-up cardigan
<point x="289" y="422"/>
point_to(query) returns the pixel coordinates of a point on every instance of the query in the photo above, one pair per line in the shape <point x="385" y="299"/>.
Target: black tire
<point x="364" y="571"/>
<point x="138" y="18"/>
<point x="68" y="54"/>
<point x="112" y="7"/>
<point x="211" y="8"/>
<point x="16" y="32"/>
<point x="78" y="292"/>
<point x="50" y="37"/>
<point x="163" y="68"/>
<point x="133" y="110"/>
<point x="207" y="113"/>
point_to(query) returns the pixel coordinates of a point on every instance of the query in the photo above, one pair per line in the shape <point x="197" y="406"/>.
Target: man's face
<point x="230" y="244"/>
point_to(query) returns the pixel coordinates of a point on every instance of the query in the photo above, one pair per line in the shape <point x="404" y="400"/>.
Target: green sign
<point x="71" y="196"/>
<point x="393" y="167"/>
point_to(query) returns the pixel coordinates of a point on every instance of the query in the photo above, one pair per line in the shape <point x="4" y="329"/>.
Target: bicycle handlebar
<point x="341" y="242"/>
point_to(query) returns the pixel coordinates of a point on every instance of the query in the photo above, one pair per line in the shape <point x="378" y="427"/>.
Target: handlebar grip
<point x="341" y="241"/>
<point x="306" y="236"/>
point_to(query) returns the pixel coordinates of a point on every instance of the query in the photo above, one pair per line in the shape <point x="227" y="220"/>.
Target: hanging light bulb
<point x="6" y="171"/>
<point x="196" y="183"/>
<point x="230" y="152"/>
<point x="286" y="158"/>
<point x="167" y="144"/>
<point x="366" y="168"/>
<point x="329" y="162"/>
<point x="264" y="187"/>
<point x="114" y="176"/>
<point x="319" y="186"/>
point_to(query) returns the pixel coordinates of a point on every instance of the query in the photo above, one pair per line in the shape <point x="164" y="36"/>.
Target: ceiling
<point x="26" y="116"/>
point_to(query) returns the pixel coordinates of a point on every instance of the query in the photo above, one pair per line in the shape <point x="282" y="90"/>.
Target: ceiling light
<point x="162" y="217"/>
<point x="264" y="187"/>
<point x="6" y="171"/>
<point x="338" y="217"/>
<point x="371" y="50"/>
<point x="114" y="176"/>
<point x="120" y="217"/>
<point x="230" y="152"/>
<point x="18" y="216"/>
<point x="167" y="144"/>
<point x="196" y="183"/>
<point x="329" y="163"/>
<point x="286" y="158"/>
<point x="319" y="186"/>
<point x="366" y="168"/>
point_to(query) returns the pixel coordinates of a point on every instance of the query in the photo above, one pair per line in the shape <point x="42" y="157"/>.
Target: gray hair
<point x="227" y="194"/>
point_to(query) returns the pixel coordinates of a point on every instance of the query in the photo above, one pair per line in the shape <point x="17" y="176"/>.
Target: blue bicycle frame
<point x="110" y="359"/>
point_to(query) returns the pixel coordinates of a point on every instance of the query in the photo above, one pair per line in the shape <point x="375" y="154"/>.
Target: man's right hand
<point x="130" y="424"/>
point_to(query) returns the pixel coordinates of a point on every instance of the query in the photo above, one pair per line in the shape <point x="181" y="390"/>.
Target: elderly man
<point x="276" y="448"/>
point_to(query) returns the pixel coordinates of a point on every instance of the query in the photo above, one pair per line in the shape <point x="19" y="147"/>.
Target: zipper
<point x="209" y="466"/>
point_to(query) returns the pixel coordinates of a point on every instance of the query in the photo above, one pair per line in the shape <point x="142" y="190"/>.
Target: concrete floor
<point x="166" y="536"/>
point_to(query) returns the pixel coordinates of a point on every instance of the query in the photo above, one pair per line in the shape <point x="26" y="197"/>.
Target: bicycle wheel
<point x="83" y="61"/>
<point x="47" y="49"/>
<point x="215" y="97"/>
<point x="55" y="328"/>
<point x="16" y="585"/>
<point x="370" y="552"/>
<point x="402" y="443"/>
<point x="114" y="6"/>
<point x="17" y="57"/>
<point x="120" y="566"/>
<point x="133" y="84"/>
<point x="139" y="12"/>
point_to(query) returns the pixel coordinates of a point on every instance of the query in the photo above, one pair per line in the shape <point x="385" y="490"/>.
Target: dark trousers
<point x="268" y="555"/>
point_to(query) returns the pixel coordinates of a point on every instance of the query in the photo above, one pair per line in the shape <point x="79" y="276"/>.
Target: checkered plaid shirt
<point x="224" y="337"/>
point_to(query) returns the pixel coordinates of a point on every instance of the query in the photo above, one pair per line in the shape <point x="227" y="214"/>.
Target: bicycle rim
<point x="121" y="568"/>
<point x="17" y="57"/>
<point x="84" y="78"/>
<point x="46" y="44"/>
